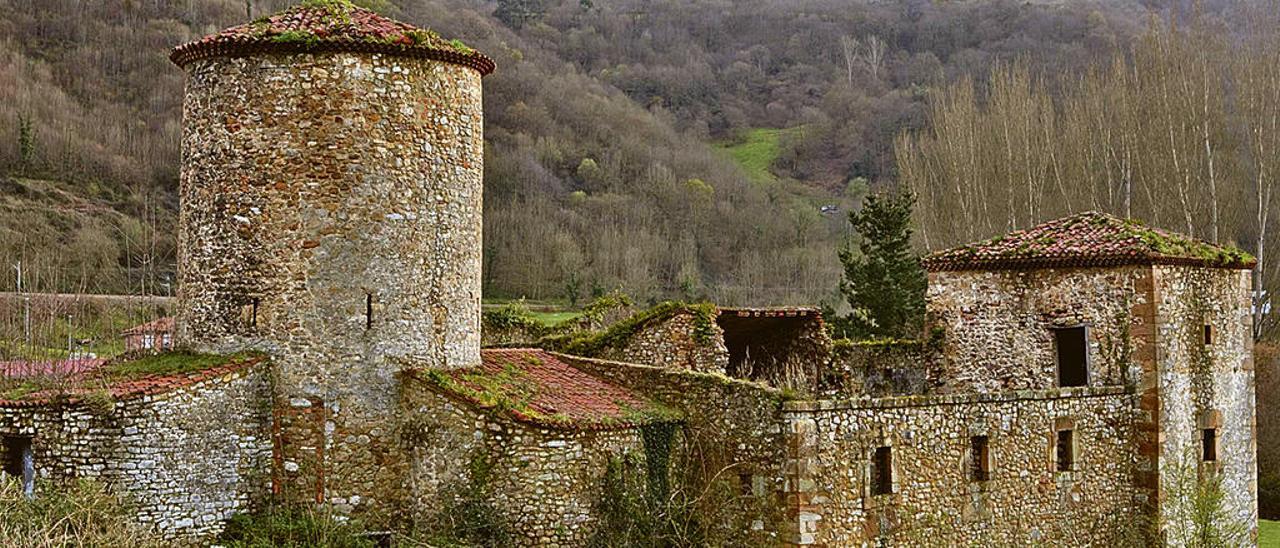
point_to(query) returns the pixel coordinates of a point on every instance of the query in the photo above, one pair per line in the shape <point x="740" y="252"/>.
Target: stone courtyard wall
<point x="934" y="502"/>
<point x="186" y="458"/>
<point x="545" y="484"/>
<point x="1205" y="386"/>
<point x="681" y="341"/>
<point x="996" y="325"/>
<point x="877" y="369"/>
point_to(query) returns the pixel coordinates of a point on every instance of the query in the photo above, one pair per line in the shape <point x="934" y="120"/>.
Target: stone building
<point x="1075" y="382"/>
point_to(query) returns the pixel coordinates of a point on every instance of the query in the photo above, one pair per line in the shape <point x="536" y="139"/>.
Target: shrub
<point x="77" y="513"/>
<point x="292" y="526"/>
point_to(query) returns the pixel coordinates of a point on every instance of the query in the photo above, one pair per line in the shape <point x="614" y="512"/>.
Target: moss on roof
<point x="1087" y="239"/>
<point x="333" y="25"/>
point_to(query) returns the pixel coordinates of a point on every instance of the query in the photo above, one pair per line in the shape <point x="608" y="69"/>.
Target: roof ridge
<point x="319" y="26"/>
<point x="1090" y="238"/>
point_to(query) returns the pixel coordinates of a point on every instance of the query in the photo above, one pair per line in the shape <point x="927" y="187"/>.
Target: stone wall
<point x="683" y="340"/>
<point x="877" y="369"/>
<point x="997" y="325"/>
<point x="186" y="459"/>
<point x="935" y="501"/>
<point x="1205" y="385"/>
<point x="331" y="216"/>
<point x="732" y="430"/>
<point x="544" y="484"/>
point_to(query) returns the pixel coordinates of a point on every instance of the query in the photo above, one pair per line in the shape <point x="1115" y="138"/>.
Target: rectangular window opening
<point x="253" y="316"/>
<point x="368" y="310"/>
<point x="882" y="471"/>
<point x="1208" y="335"/>
<point x="1066" y="450"/>
<point x="1072" y="345"/>
<point x="980" y="459"/>
<point x="1210" y="444"/>
<point x="15" y="447"/>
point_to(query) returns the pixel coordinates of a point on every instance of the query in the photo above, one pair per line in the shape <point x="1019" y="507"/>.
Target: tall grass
<point x="73" y="514"/>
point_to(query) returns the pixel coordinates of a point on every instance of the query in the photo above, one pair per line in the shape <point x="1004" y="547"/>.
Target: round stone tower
<point x="330" y="216"/>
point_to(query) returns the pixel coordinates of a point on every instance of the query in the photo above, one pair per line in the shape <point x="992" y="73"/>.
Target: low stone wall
<point x="732" y="431"/>
<point x="877" y="369"/>
<point x="543" y="484"/>
<point x="935" y="500"/>
<point x="680" y="341"/>
<point x="186" y="459"/>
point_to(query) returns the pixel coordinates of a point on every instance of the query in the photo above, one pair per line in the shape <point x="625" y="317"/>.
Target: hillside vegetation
<point x="602" y="125"/>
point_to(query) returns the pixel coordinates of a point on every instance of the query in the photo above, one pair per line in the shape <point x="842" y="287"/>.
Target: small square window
<point x="1209" y="444"/>
<point x="882" y="471"/>
<point x="1072" y="346"/>
<point x="1065" y="451"/>
<point x="979" y="459"/>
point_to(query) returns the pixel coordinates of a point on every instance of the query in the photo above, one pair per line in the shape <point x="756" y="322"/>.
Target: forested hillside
<point x="605" y="123"/>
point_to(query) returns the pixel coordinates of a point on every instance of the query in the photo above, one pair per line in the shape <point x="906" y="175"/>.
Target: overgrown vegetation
<point x="293" y="526"/>
<point x="596" y="343"/>
<point x="469" y="517"/>
<point x="71" y="513"/>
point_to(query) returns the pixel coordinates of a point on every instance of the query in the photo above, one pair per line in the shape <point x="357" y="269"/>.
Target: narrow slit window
<point x="979" y="459"/>
<point x="1210" y="444"/>
<point x="253" y="315"/>
<point x="744" y="484"/>
<point x="368" y="311"/>
<point x="1208" y="335"/>
<point x="1066" y="451"/>
<point x="882" y="471"/>
<point x="1072" y="347"/>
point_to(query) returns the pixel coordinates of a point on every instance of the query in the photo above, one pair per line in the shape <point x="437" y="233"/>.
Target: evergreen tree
<point x="883" y="282"/>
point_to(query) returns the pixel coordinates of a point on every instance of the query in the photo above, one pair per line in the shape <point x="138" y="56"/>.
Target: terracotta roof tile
<point x="330" y="26"/>
<point x="1086" y="239"/>
<point x="81" y="384"/>
<point x="536" y="387"/>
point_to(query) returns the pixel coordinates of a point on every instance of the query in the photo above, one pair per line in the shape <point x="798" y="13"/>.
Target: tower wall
<point x="331" y="216"/>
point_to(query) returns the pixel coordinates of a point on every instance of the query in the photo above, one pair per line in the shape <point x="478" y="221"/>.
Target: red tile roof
<point x="79" y="386"/>
<point x="534" y="386"/>
<point x="330" y="26"/>
<point x="1086" y="239"/>
<point x="162" y="325"/>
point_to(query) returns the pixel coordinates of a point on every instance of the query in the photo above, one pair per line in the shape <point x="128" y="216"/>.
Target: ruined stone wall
<point x="186" y="459"/>
<point x="331" y="216"/>
<point x="733" y="429"/>
<point x="877" y="369"/>
<point x="682" y="341"/>
<point x="934" y="500"/>
<point x="1205" y="386"/>
<point x="996" y="325"/>
<point x="544" y="484"/>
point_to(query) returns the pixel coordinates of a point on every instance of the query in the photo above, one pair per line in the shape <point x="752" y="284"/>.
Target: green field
<point x="757" y="152"/>
<point x="1268" y="534"/>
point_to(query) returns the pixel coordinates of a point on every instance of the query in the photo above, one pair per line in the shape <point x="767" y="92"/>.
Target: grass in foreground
<point x="77" y="513"/>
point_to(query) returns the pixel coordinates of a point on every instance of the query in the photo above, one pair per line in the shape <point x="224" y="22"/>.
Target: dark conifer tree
<point x="883" y="282"/>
